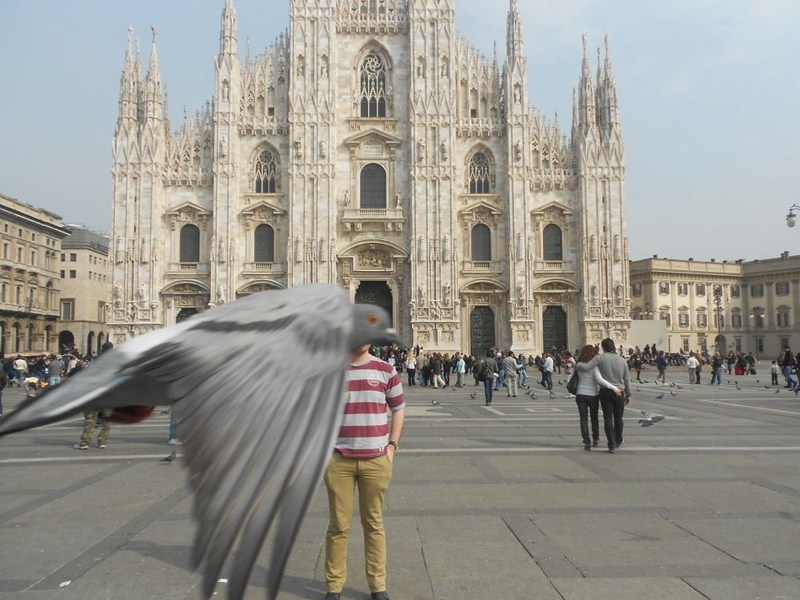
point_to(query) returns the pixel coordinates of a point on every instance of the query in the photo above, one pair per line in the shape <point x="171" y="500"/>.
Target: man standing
<point x="615" y="370"/>
<point x="510" y="367"/>
<point x="788" y="363"/>
<point x="21" y="367"/>
<point x="54" y="369"/>
<point x="716" y="369"/>
<point x="661" y="365"/>
<point x="363" y="456"/>
<point x="692" y="363"/>
<point x="461" y="368"/>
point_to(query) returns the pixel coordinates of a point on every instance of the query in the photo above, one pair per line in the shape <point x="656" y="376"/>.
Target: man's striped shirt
<point x="371" y="387"/>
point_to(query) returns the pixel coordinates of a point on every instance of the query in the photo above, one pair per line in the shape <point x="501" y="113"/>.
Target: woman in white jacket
<point x="588" y="397"/>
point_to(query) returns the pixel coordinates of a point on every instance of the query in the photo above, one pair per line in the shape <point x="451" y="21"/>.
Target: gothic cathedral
<point x="373" y="148"/>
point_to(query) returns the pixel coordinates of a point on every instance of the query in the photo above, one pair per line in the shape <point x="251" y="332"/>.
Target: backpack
<point x="481" y="370"/>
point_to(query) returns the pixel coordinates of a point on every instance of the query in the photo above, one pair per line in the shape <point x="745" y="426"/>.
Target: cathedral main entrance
<point x="184" y="314"/>
<point x="481" y="330"/>
<point x="377" y="293"/>
<point x="554" y="323"/>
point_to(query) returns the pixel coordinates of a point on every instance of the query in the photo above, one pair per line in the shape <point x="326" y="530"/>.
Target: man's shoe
<point x="333" y="596"/>
<point x="101" y="446"/>
<point x="174" y="442"/>
<point x="596" y="443"/>
<point x="587" y="446"/>
<point x="611" y="449"/>
<point x="80" y="447"/>
<point x="621" y="443"/>
<point x="380" y="596"/>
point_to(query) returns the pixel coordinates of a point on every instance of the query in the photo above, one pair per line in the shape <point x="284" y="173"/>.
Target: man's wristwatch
<point x="393" y="443"/>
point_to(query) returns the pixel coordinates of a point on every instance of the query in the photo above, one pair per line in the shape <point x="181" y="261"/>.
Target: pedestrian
<point x="510" y="367"/>
<point x="461" y="368"/>
<point x="788" y="364"/>
<point x="363" y="457"/>
<point x="90" y="424"/>
<point x="547" y="371"/>
<point x="614" y="370"/>
<point x="588" y="397"/>
<point x="774" y="370"/>
<point x="411" y="368"/>
<point x="716" y="369"/>
<point x="691" y="364"/>
<point x="21" y="369"/>
<point x="3" y="383"/>
<point x="661" y="365"/>
<point x="55" y="369"/>
<point x="522" y="370"/>
<point x="485" y="371"/>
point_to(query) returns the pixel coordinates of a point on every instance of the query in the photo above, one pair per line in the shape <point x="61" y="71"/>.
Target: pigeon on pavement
<point x="170" y="458"/>
<point x="650" y="418"/>
<point x="659" y="397"/>
<point x="255" y="447"/>
<point x="472" y="395"/>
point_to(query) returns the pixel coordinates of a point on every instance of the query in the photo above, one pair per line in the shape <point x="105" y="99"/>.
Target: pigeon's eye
<point x="372" y="319"/>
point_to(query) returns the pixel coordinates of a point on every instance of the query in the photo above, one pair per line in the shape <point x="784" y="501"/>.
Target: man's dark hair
<point x="608" y="345"/>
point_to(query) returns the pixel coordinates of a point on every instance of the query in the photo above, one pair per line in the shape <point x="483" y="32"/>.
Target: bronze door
<point x="481" y="330"/>
<point x="554" y="323"/>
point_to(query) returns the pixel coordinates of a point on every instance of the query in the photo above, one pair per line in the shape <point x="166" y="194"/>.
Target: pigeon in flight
<point x="255" y="447"/>
<point x="671" y="393"/>
<point x="659" y="397"/>
<point x="650" y="419"/>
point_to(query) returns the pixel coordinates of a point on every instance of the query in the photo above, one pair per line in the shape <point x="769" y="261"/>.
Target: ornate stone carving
<point x="374" y="259"/>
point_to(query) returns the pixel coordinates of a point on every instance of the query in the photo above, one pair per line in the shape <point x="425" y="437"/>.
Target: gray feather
<point x="256" y="446"/>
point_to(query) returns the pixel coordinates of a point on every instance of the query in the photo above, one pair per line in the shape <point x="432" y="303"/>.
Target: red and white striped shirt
<point x="371" y="387"/>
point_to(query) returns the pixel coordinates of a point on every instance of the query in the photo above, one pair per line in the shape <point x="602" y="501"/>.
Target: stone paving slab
<point x="497" y="504"/>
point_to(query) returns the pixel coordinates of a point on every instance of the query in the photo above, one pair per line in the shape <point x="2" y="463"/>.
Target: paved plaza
<point x="488" y="502"/>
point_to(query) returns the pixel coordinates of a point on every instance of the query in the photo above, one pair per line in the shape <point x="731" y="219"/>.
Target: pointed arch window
<point x="553" y="245"/>
<point x="373" y="86"/>
<point x="264" y="244"/>
<point x="266" y="173"/>
<point x="373" y="186"/>
<point x="190" y="244"/>
<point x="479" y="174"/>
<point x="481" y="243"/>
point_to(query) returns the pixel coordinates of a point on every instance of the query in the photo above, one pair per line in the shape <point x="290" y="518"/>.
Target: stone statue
<point x="220" y="294"/>
<point x="347" y="198"/>
<point x="398" y="200"/>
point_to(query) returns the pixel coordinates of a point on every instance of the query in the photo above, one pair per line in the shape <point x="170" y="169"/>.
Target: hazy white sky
<point x="708" y="93"/>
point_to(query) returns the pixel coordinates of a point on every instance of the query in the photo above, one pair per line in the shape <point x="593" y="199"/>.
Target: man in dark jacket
<point x="614" y="369"/>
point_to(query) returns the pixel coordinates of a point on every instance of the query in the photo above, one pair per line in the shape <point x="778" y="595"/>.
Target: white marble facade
<point x="373" y="148"/>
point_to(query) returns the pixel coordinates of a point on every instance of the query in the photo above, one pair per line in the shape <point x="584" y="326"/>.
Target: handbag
<point x="572" y="384"/>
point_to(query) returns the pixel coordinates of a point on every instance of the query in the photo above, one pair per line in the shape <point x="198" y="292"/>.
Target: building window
<point x="664" y="316"/>
<point x="719" y="321"/>
<point x="5" y="250"/>
<point x="373" y="86"/>
<point x="637" y="290"/>
<point x="190" y="244"/>
<point x="266" y="173"/>
<point x="73" y="257"/>
<point x="481" y="243"/>
<point x="735" y="291"/>
<point x="783" y="318"/>
<point x="373" y="186"/>
<point x="552" y="243"/>
<point x="33" y="258"/>
<point x="757" y="290"/>
<point x="702" y="320"/>
<point x="700" y="289"/>
<point x="73" y="274"/>
<point x="685" y="344"/>
<point x="782" y="288"/>
<point x="62" y="273"/>
<point x="737" y="342"/>
<point x="736" y="321"/>
<point x="19" y="255"/>
<point x="663" y="287"/>
<point x="4" y="293"/>
<point x="683" y="289"/>
<point x="479" y="174"/>
<point x="67" y="310"/>
<point x="18" y="295"/>
<point x="264" y="244"/>
<point x="63" y="257"/>
<point x="683" y="319"/>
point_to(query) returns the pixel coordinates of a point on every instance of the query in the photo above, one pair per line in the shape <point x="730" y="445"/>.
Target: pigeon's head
<point x="371" y="325"/>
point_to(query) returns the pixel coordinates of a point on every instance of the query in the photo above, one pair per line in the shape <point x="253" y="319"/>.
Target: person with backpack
<point x="485" y="371"/>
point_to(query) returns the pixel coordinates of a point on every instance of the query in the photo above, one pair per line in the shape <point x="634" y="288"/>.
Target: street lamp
<point x="791" y="218"/>
<point x="758" y="319"/>
<point x="718" y="305"/>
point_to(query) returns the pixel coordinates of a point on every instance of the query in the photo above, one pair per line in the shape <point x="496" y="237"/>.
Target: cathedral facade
<point x="373" y="148"/>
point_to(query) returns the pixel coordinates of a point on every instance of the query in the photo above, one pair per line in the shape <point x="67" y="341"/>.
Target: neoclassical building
<point x="373" y="148"/>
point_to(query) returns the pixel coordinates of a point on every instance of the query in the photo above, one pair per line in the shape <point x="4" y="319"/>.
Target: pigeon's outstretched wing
<point x="256" y="438"/>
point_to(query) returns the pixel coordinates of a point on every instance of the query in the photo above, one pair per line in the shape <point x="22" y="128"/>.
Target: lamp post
<point x="758" y="319"/>
<point x="718" y="306"/>
<point x="648" y="314"/>
<point x="791" y="217"/>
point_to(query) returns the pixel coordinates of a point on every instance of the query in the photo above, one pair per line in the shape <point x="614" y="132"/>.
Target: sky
<point x="708" y="93"/>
